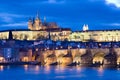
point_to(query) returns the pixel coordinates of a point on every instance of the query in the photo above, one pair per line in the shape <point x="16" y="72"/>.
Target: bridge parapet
<point x="99" y="50"/>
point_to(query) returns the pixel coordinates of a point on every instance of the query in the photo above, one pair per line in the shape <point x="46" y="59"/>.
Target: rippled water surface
<point x="58" y="73"/>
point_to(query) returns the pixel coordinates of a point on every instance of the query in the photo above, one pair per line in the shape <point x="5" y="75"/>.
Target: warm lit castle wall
<point x="4" y="35"/>
<point x="60" y="35"/>
<point x="113" y="35"/>
<point x="63" y="35"/>
<point x="38" y="35"/>
<point x="29" y="35"/>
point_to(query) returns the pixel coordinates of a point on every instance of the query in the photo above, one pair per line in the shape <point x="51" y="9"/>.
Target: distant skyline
<point x="98" y="14"/>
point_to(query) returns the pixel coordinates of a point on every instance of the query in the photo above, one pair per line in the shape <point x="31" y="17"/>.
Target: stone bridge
<point x="83" y="56"/>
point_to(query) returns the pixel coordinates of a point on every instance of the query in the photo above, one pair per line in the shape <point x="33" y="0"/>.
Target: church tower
<point x="38" y="23"/>
<point x="30" y="24"/>
<point x="85" y="27"/>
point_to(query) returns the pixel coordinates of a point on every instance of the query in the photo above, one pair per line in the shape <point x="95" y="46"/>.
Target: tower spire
<point x="37" y="16"/>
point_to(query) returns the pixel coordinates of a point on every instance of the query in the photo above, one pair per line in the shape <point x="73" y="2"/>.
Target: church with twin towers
<point x="37" y="24"/>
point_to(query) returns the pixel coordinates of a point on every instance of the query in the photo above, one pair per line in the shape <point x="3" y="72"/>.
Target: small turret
<point x="30" y="24"/>
<point x="85" y="27"/>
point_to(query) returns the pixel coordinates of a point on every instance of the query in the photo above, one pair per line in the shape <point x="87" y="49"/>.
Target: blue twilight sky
<point x="98" y="14"/>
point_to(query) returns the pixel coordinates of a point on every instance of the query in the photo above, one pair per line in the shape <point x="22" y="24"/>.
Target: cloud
<point x="114" y="2"/>
<point x="7" y="17"/>
<point x="10" y="26"/>
<point x="112" y="24"/>
<point x="54" y="1"/>
<point x="21" y="24"/>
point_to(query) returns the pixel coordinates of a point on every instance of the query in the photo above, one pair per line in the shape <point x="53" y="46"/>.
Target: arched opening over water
<point x="98" y="58"/>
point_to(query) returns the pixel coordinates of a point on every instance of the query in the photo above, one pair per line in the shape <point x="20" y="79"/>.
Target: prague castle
<point x="37" y="24"/>
<point x="24" y="45"/>
<point x="40" y="30"/>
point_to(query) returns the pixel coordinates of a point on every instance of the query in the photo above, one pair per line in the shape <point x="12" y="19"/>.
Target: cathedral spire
<point x="37" y="15"/>
<point x="84" y="27"/>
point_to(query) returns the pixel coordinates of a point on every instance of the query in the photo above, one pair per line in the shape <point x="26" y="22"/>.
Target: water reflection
<point x="37" y="72"/>
<point x="100" y="71"/>
<point x="60" y="68"/>
<point x="37" y="68"/>
<point x="26" y="67"/>
<point x="118" y="69"/>
<point x="1" y="67"/>
<point x="57" y="69"/>
<point x="8" y="67"/>
<point x="47" y="69"/>
<point x="78" y="68"/>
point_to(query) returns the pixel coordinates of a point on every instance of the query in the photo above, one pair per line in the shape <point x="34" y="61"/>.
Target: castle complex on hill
<point x="105" y="49"/>
<point x="38" y="30"/>
<point x="37" y="24"/>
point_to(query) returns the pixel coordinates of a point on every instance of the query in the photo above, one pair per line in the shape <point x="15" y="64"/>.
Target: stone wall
<point x="96" y="54"/>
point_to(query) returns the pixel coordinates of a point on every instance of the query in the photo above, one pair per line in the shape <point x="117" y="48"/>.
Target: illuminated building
<point x="10" y="51"/>
<point x="85" y="27"/>
<point x="37" y="24"/>
<point x="95" y="35"/>
<point x="25" y="55"/>
<point x="40" y="30"/>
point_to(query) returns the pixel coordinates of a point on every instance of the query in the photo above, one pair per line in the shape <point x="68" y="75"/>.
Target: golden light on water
<point x="37" y="68"/>
<point x="47" y="68"/>
<point x="26" y="67"/>
<point x="78" y="68"/>
<point x="57" y="68"/>
<point x="1" y="68"/>
<point x="100" y="70"/>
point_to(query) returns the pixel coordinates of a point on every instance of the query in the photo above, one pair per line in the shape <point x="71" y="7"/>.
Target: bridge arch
<point x="98" y="58"/>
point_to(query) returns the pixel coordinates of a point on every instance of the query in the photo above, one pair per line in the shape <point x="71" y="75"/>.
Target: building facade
<point x="40" y="30"/>
<point x="98" y="36"/>
<point x="37" y="24"/>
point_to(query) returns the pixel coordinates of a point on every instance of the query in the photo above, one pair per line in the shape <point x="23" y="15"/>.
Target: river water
<point x="58" y="73"/>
